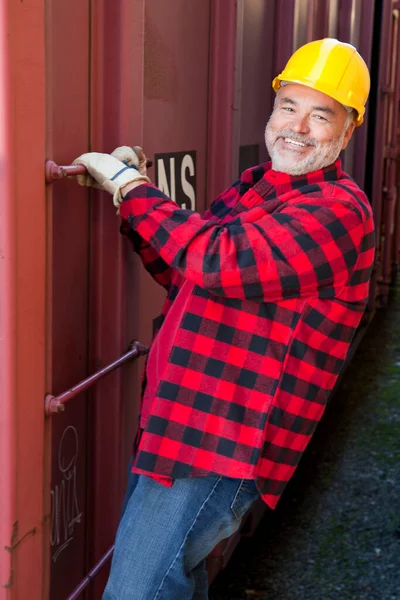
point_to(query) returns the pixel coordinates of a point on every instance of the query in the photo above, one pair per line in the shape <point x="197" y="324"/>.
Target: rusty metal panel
<point x="175" y="112"/>
<point x="301" y="28"/>
<point x="22" y="296"/>
<point x="347" y="14"/>
<point x="7" y="317"/>
<point x="333" y="18"/>
<point x="355" y="26"/>
<point x="364" y="46"/>
<point x="284" y="28"/>
<point x="256" y="95"/>
<point x="383" y="60"/>
<point x="220" y="169"/>
<point x="68" y="261"/>
<point x="320" y="15"/>
<point x="390" y="154"/>
<point x="176" y="81"/>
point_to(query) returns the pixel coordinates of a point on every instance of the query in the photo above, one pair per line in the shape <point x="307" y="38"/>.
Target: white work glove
<point x="107" y="172"/>
<point x="132" y="156"/>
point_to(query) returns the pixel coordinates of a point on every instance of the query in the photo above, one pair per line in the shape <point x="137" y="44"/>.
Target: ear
<point x="347" y="135"/>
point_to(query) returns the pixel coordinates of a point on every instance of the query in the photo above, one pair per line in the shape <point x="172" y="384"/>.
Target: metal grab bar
<point x="54" y="171"/>
<point x="56" y="404"/>
<point x="91" y="575"/>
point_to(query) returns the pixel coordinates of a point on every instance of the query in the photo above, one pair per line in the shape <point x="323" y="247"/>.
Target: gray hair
<point x="351" y="116"/>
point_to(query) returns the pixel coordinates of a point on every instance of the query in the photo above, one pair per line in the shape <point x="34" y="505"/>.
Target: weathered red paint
<point x="220" y="171"/>
<point x="22" y="299"/>
<point x="7" y="320"/>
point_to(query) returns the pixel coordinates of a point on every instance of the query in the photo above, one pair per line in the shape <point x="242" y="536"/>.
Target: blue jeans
<point x="165" y="534"/>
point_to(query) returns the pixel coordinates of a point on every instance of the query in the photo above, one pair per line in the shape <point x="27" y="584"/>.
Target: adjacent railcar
<point x="190" y="81"/>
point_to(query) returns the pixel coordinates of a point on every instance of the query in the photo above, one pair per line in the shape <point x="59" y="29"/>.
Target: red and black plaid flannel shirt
<point x="281" y="267"/>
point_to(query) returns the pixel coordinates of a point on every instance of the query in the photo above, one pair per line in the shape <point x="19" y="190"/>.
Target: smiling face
<point x="306" y="131"/>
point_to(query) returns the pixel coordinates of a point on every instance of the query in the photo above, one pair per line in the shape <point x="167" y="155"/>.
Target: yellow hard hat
<point x="331" y="67"/>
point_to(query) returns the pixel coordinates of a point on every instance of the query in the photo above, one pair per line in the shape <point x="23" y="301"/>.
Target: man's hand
<point x="112" y="172"/>
<point x="131" y="156"/>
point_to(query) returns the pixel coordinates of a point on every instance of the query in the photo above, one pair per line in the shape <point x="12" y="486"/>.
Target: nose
<point x="300" y="124"/>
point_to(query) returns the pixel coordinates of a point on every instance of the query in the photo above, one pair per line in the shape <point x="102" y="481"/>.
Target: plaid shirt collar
<point x="262" y="183"/>
<point x="331" y="173"/>
<point x="283" y="182"/>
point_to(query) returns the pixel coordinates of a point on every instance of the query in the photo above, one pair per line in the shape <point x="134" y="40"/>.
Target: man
<point x="264" y="294"/>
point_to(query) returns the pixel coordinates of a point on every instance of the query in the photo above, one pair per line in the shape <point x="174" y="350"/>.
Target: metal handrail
<point x="53" y="171"/>
<point x="56" y="404"/>
<point x="91" y="575"/>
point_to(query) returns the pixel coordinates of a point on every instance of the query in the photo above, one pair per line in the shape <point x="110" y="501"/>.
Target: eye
<point x="320" y="118"/>
<point x="287" y="108"/>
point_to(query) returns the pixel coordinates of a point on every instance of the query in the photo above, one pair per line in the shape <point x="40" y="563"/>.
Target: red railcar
<point x="191" y="82"/>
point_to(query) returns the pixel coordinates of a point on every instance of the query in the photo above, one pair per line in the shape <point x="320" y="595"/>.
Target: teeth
<point x="290" y="141"/>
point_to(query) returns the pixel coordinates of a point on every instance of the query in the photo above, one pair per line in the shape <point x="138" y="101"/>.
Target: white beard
<point x="323" y="154"/>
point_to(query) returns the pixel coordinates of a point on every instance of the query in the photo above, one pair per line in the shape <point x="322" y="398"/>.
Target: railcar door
<point x="131" y="73"/>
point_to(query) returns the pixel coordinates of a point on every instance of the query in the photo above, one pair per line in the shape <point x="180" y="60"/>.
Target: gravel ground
<point x="336" y="532"/>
